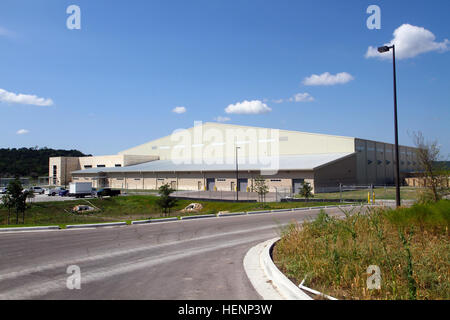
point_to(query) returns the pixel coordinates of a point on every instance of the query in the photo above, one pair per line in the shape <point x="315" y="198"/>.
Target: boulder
<point x="193" y="207"/>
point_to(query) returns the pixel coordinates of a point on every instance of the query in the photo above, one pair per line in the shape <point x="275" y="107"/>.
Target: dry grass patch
<point x="411" y="246"/>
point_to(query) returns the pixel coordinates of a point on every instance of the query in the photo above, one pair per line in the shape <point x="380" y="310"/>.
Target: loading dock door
<point x="243" y="183"/>
<point x="210" y="183"/>
<point x="297" y="184"/>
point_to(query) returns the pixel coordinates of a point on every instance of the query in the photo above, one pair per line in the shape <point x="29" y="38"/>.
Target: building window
<point x="101" y="166"/>
<point x="369" y="161"/>
<point x="275" y="180"/>
<point x="118" y="165"/>
<point x="222" y="180"/>
<point x="137" y="179"/>
<point x="87" y="166"/>
<point x="54" y="175"/>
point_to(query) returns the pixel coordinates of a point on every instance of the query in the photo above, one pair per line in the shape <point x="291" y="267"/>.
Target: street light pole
<point x="237" y="175"/>
<point x="397" y="161"/>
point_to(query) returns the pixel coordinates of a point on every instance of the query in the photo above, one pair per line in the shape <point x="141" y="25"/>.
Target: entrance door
<point x="210" y="183"/>
<point x="199" y="186"/>
<point x="243" y="183"/>
<point x="173" y="185"/>
<point x="297" y="184"/>
<point x="233" y="186"/>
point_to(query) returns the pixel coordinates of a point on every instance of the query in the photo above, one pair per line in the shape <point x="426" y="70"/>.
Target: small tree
<point x="428" y="154"/>
<point x="261" y="188"/>
<point x="16" y="198"/>
<point x="165" y="201"/>
<point x="306" y="191"/>
<point x="8" y="204"/>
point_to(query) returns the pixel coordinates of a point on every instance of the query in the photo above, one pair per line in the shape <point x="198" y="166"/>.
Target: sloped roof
<point x="282" y="163"/>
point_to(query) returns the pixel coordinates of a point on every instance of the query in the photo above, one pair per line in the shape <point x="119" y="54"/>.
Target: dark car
<point x="63" y="193"/>
<point x="107" y="192"/>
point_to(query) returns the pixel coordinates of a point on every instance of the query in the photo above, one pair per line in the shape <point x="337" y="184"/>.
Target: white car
<point x="37" y="190"/>
<point x="2" y="190"/>
<point x="53" y="191"/>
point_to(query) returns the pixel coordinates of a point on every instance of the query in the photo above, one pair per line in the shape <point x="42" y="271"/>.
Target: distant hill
<point x="30" y="162"/>
<point x="442" y="165"/>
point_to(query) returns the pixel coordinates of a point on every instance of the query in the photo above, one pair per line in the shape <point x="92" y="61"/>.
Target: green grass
<point x="388" y="193"/>
<point x="127" y="208"/>
<point x="410" y="245"/>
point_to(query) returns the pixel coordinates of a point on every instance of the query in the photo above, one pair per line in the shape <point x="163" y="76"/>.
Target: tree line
<point x="30" y="162"/>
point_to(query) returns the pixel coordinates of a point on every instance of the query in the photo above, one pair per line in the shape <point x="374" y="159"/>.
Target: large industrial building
<point x="223" y="157"/>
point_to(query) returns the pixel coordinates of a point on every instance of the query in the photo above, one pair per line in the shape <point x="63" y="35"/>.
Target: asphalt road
<point x="194" y="259"/>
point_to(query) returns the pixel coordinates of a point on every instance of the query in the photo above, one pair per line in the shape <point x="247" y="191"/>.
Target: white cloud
<point x="179" y="110"/>
<point x="20" y="98"/>
<point x="410" y="41"/>
<point x="221" y="119"/>
<point x="327" y="79"/>
<point x="278" y="101"/>
<point x="22" y="131"/>
<point x="248" y="107"/>
<point x="302" y="97"/>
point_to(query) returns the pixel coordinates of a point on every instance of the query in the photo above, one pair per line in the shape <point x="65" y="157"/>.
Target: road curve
<point x="196" y="259"/>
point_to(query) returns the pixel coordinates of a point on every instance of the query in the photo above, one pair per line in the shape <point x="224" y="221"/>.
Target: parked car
<point x="38" y="190"/>
<point x="53" y="191"/>
<point x="107" y="192"/>
<point x="2" y="190"/>
<point x="63" y="193"/>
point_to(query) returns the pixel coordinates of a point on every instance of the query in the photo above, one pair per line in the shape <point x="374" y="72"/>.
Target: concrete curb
<point x="154" y="220"/>
<point x="281" y="210"/>
<point x="96" y="225"/>
<point x="259" y="212"/>
<point x="255" y="273"/>
<point x="232" y="214"/>
<point x="265" y="277"/>
<point x="288" y="289"/>
<point x="199" y="217"/>
<point x="29" y="228"/>
<point x="301" y="209"/>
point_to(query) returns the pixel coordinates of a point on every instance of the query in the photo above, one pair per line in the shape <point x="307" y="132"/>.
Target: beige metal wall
<point x="214" y="140"/>
<point x="66" y="165"/>
<point x="194" y="181"/>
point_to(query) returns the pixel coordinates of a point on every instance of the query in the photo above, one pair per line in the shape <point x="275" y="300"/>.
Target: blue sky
<point x="114" y="83"/>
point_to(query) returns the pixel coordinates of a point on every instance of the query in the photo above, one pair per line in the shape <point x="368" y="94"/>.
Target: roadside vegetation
<point x="127" y="208"/>
<point x="388" y="193"/>
<point x="411" y="246"/>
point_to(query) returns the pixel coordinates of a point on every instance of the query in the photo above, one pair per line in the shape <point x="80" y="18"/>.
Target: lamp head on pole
<point x="384" y="49"/>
